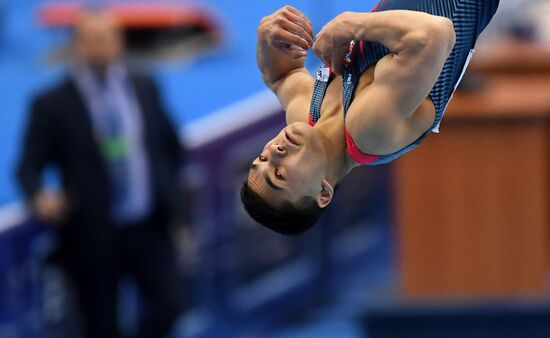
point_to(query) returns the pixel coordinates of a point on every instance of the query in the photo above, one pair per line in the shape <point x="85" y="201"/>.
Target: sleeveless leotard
<point x="470" y="17"/>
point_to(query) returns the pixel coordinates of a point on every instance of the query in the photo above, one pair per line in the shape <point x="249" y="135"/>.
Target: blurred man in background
<point x="104" y="127"/>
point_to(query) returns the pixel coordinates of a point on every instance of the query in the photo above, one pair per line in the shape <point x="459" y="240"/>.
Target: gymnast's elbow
<point x="445" y="33"/>
<point x="441" y="34"/>
<point x="436" y="35"/>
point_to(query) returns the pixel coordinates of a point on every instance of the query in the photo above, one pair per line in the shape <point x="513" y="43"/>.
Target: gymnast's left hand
<point x="332" y="42"/>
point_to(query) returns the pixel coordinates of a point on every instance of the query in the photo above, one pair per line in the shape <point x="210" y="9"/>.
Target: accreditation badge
<point x="323" y="74"/>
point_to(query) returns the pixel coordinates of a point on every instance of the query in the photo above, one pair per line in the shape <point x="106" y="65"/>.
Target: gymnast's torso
<point x="373" y="135"/>
<point x="370" y="131"/>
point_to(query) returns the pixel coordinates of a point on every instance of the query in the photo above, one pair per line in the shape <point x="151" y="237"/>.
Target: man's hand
<point x="188" y="245"/>
<point x="287" y="30"/>
<point x="50" y="207"/>
<point x="332" y="42"/>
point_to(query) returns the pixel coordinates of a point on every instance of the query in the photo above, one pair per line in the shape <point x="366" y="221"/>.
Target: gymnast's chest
<point x="333" y="102"/>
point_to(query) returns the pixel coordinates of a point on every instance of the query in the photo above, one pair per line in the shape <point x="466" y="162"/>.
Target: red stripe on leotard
<point x="355" y="153"/>
<point x="362" y="49"/>
<point x="381" y="3"/>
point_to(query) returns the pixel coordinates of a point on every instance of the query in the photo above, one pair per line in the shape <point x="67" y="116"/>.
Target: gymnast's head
<point x="287" y="188"/>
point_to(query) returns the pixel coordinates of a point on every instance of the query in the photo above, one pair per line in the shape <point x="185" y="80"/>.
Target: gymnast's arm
<point x="419" y="44"/>
<point x="283" y="40"/>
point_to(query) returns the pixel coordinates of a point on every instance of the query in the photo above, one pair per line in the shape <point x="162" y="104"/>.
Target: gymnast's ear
<point x="324" y="197"/>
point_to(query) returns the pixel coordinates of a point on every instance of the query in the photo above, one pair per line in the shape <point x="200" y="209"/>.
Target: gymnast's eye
<point x="278" y="175"/>
<point x="262" y="158"/>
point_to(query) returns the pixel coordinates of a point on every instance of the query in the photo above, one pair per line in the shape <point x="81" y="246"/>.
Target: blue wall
<point x="192" y="90"/>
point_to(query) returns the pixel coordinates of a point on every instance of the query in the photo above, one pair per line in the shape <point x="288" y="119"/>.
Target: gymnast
<point x="388" y="77"/>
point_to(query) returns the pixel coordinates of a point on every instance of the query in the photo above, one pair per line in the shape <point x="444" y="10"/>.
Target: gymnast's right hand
<point x="287" y="30"/>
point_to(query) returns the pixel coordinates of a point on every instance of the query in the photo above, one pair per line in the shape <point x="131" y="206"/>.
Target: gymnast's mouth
<point x="291" y="138"/>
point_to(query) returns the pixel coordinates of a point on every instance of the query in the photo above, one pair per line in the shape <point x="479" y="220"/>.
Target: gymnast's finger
<point x="300" y="21"/>
<point x="337" y="63"/>
<point x="297" y="12"/>
<point x="299" y="31"/>
<point x="296" y="52"/>
<point x="320" y="52"/>
<point x="325" y="59"/>
<point x="284" y="36"/>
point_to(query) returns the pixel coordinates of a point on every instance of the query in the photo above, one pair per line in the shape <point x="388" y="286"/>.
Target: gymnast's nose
<point x="277" y="150"/>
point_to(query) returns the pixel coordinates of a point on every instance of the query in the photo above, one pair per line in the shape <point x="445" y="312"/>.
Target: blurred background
<point x="450" y="241"/>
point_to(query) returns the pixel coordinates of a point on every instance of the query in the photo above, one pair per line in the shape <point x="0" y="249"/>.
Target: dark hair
<point x="287" y="219"/>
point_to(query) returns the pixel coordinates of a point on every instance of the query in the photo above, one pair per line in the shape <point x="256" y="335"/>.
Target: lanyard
<point x="106" y="103"/>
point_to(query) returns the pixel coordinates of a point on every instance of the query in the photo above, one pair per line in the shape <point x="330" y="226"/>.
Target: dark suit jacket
<point x="60" y="133"/>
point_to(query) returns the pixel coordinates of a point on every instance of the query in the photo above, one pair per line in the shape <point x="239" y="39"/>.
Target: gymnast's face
<point x="290" y="166"/>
